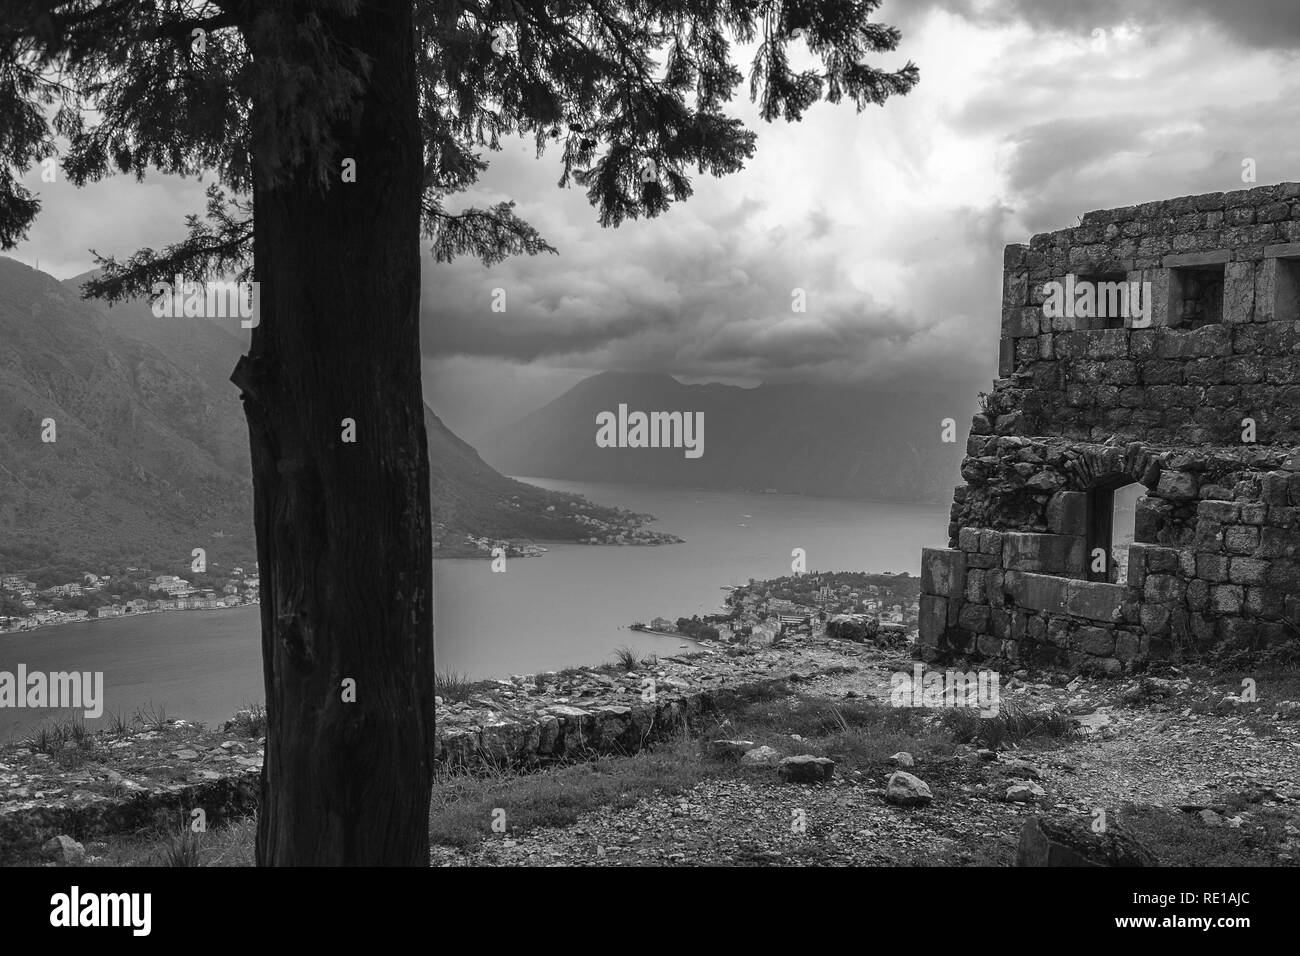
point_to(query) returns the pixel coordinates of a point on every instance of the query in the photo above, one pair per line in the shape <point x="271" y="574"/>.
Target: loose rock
<point x="905" y="790"/>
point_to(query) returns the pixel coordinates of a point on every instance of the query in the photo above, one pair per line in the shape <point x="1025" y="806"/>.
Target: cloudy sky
<point x="1028" y="114"/>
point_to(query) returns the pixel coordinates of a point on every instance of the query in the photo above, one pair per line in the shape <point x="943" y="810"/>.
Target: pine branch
<point x="213" y="250"/>
<point x="489" y="234"/>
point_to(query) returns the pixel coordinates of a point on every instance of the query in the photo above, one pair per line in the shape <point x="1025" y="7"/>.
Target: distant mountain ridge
<point x="824" y="440"/>
<point x="151" y="453"/>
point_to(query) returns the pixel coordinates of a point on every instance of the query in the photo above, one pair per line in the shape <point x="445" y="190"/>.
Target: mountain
<point x="826" y="440"/>
<point x="471" y="498"/>
<point x="146" y="462"/>
<point x="150" y="457"/>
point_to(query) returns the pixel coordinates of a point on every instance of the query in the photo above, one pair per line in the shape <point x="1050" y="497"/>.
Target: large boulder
<point x="731" y="749"/>
<point x="1071" y="841"/>
<point x="806" y="769"/>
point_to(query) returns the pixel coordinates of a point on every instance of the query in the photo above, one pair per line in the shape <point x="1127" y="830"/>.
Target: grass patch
<point x="55" y="737"/>
<point x="856" y="734"/>
<point x="182" y="848"/>
<point x="1013" y="724"/>
<point x="625" y="657"/>
<point x="1183" y="839"/>
<point x="164" y="844"/>
<point x="465" y="804"/>
<point x="70" y="743"/>
<point x="250" y="721"/>
<point x="151" y="717"/>
<point x="452" y="686"/>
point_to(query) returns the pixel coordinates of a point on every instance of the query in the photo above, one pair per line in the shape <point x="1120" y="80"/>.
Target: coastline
<point x="120" y="617"/>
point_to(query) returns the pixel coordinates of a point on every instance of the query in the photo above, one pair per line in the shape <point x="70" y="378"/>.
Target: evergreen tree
<point x="348" y="127"/>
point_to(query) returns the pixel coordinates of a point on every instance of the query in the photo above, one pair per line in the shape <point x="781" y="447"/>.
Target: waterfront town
<point x="584" y="529"/>
<point x="850" y="604"/>
<point x="49" y="596"/>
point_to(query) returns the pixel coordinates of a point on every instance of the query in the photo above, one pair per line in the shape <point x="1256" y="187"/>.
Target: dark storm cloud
<point x="1062" y="168"/>
<point x="1262" y="24"/>
<point x="892" y="221"/>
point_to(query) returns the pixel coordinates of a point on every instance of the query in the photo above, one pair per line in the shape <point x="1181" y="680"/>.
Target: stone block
<point x="933" y="620"/>
<point x="1162" y="560"/>
<point x="1212" y="567"/>
<point x="1155" y="620"/>
<point x="994" y="586"/>
<point x="1015" y="289"/>
<point x="1095" y="600"/>
<point x="1241" y="539"/>
<point x="943" y="571"/>
<point x="1227" y="599"/>
<point x="1164" y="589"/>
<point x="1227" y="512"/>
<point x="1020" y="322"/>
<point x="1267" y="603"/>
<point x="1047" y="553"/>
<point x="1128" y="647"/>
<point x="1037" y="592"/>
<point x="1210" y="258"/>
<point x="1067" y="513"/>
<point x="1006" y="356"/>
<point x="1247" y="570"/>
<point x="1177" y="486"/>
<point x="1239" y="292"/>
<point x="1137" y="564"/>
<point x="1097" y="641"/>
<point x="974" y="618"/>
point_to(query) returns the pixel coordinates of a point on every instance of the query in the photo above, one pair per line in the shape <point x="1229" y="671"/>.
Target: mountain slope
<point x="815" y="440"/>
<point x="143" y="464"/>
<point x="151" y="452"/>
<point x="472" y="498"/>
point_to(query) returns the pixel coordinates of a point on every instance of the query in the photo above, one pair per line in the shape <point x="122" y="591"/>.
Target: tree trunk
<point x="344" y="535"/>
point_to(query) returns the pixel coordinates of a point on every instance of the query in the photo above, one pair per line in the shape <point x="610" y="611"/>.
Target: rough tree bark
<point x="344" y="536"/>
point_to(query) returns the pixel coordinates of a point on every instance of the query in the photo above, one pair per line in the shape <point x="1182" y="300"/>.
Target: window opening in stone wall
<point x="1112" y="510"/>
<point x="1111" y="299"/>
<point x="1196" y="296"/>
<point x="1286" y="289"/>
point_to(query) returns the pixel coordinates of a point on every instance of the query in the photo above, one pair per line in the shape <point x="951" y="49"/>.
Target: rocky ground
<point x="65" y="790"/>
<point x="1162" y="754"/>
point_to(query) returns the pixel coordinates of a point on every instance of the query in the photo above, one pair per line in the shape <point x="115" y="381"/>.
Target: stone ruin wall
<point x="1084" y="406"/>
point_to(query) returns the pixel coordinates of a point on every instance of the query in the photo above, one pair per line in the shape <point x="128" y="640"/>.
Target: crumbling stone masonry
<point x="1199" y="402"/>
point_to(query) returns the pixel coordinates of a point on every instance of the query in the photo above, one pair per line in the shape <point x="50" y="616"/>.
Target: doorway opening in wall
<point x="1112" y="514"/>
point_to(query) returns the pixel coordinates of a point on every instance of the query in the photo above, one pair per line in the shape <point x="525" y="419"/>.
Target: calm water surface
<point x="570" y="606"/>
